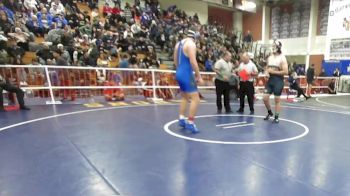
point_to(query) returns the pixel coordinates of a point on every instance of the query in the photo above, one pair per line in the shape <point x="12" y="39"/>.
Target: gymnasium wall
<point x="253" y="22"/>
<point x="222" y="16"/>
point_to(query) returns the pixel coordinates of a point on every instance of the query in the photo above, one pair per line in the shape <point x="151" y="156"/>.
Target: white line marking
<point x="244" y="125"/>
<point x="331" y="104"/>
<point x="306" y="131"/>
<point x="152" y="105"/>
<point x="236" y="123"/>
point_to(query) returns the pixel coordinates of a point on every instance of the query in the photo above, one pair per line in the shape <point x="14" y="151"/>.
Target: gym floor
<point x="139" y="150"/>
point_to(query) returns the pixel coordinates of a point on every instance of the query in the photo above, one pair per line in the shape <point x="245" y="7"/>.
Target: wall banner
<point x="338" y="31"/>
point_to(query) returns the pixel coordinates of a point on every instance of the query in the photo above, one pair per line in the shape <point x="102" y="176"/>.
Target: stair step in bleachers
<point x="83" y="7"/>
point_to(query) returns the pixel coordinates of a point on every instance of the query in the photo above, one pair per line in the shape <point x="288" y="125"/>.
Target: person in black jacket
<point x="337" y="72"/>
<point x="294" y="84"/>
<point x="6" y="85"/>
<point x="310" y="76"/>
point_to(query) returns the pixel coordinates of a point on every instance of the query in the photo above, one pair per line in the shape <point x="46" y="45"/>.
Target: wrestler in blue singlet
<point x="184" y="71"/>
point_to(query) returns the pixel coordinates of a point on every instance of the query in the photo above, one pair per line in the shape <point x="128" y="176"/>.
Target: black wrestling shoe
<point x="24" y="108"/>
<point x="268" y="116"/>
<point x="276" y="120"/>
<point x="240" y="111"/>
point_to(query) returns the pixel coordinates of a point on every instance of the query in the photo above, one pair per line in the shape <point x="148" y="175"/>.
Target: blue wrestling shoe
<point x="182" y="123"/>
<point x="192" y="128"/>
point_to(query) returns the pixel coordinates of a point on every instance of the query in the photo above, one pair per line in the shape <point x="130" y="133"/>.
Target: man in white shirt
<point x="57" y="8"/>
<point x="30" y="4"/>
<point x="247" y="71"/>
<point x="223" y="69"/>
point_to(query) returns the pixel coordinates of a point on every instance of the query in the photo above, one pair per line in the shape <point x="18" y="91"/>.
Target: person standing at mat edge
<point x="186" y="63"/>
<point x="246" y="86"/>
<point x="223" y="70"/>
<point x="277" y="67"/>
<point x="310" y="77"/>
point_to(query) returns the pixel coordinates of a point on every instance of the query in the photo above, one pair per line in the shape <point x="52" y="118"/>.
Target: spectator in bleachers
<point x="30" y="4"/>
<point x="15" y="52"/>
<point x="117" y="3"/>
<point x="84" y="59"/>
<point x="127" y="13"/>
<point x="124" y="62"/>
<point x="57" y="8"/>
<point x="135" y="29"/>
<point x="59" y="60"/>
<point x="40" y="7"/>
<point x="64" y="54"/>
<point x="143" y="32"/>
<point x="22" y="38"/>
<point x="102" y="60"/>
<point x="44" y="54"/>
<point x="4" y="56"/>
<point x="35" y="25"/>
<point x="133" y="58"/>
<point x="46" y="19"/>
<point x="107" y="10"/>
<point x="209" y="62"/>
<point x="59" y="21"/>
<point x="54" y="36"/>
<point x="141" y="45"/>
<point x="248" y="39"/>
<point x="145" y="19"/>
<point x="13" y="5"/>
<point x="93" y="54"/>
<point x="5" y="23"/>
<point x="8" y="12"/>
<point x="128" y="33"/>
<point x="153" y="58"/>
<point x="73" y="19"/>
<point x="67" y="41"/>
<point x="93" y="4"/>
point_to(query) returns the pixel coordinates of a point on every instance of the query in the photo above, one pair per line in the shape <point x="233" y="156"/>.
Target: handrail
<point x="151" y="75"/>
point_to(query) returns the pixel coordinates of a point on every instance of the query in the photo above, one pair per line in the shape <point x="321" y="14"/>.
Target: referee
<point x="247" y="71"/>
<point x="223" y="70"/>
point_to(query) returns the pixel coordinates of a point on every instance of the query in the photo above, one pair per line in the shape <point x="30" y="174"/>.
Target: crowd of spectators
<point x="83" y="38"/>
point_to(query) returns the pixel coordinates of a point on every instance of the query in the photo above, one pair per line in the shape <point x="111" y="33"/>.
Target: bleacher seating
<point x="291" y="24"/>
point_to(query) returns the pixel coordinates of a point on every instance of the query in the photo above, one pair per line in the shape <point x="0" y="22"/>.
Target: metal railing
<point x="57" y="82"/>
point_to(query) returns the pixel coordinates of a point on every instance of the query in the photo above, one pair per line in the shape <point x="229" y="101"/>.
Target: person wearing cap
<point x="5" y="85"/>
<point x="247" y="71"/>
<point x="186" y="63"/>
<point x="277" y="68"/>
